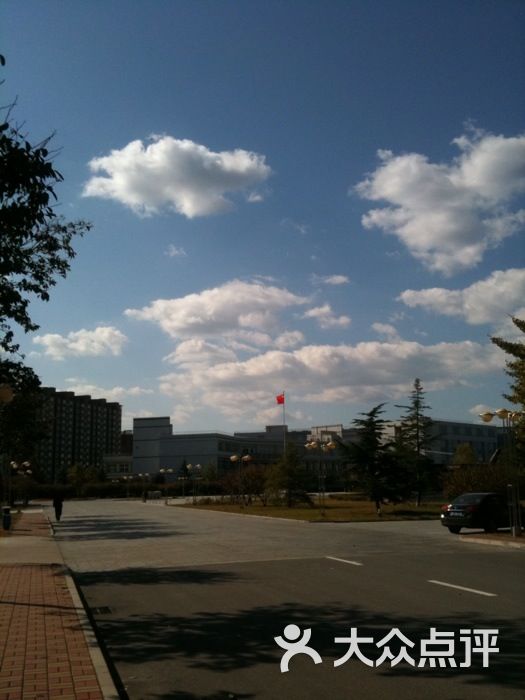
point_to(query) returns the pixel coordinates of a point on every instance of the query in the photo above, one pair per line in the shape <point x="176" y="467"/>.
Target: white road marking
<point x="346" y="561"/>
<point x="463" y="588"/>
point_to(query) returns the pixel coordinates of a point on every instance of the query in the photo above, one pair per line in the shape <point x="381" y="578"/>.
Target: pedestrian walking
<point x="58" y="504"/>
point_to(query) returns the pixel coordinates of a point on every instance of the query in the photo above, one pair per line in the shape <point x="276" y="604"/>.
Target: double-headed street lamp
<point x="508" y="418"/>
<point x="240" y="460"/>
<point x="326" y="448"/>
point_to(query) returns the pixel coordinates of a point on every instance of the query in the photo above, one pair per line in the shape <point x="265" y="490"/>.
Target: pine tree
<point x="373" y="460"/>
<point x="415" y="438"/>
<point x="515" y="369"/>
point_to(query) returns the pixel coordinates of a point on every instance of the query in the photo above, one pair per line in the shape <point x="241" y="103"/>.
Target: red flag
<point x="280" y="398"/>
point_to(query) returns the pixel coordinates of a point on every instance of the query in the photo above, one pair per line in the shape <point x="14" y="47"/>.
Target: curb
<point x="104" y="678"/>
<point x="494" y="543"/>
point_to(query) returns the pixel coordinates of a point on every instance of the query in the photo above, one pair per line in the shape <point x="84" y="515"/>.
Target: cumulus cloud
<point x="198" y="351"/>
<point x="102" y="341"/>
<point x="449" y="215"/>
<point x="486" y="301"/>
<point x="236" y="307"/>
<point x="371" y="371"/>
<point x="288" y="339"/>
<point x="175" y="174"/>
<point x="326" y="318"/>
<point x="387" y="330"/>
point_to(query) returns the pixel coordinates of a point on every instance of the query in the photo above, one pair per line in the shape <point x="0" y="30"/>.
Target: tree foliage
<point x="464" y="455"/>
<point x="288" y="476"/>
<point x="515" y="369"/>
<point x="414" y="439"/>
<point x="378" y="472"/>
<point x="35" y="242"/>
<point x="483" y="477"/>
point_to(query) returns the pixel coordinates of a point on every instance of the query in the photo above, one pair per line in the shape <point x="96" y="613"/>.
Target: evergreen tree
<point x="515" y="369"/>
<point x="289" y="475"/>
<point x="373" y="460"/>
<point x="414" y="438"/>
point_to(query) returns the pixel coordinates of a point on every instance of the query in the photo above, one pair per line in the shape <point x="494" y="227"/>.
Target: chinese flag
<point x="280" y="398"/>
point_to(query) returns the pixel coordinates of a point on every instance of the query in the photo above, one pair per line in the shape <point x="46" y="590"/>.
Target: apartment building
<point x="79" y="430"/>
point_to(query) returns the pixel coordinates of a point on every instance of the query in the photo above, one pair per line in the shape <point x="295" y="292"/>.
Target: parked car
<point x="487" y="511"/>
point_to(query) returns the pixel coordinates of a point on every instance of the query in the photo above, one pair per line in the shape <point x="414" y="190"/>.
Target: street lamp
<point x="327" y="448"/>
<point x="6" y="396"/>
<point x="507" y="418"/>
<point x="513" y="496"/>
<point x="23" y="470"/>
<point x="194" y="470"/>
<point x="165" y="471"/>
<point x="240" y="460"/>
<point x="144" y="477"/>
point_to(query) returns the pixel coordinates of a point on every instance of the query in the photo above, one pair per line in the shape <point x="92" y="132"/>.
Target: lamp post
<point x="23" y="470"/>
<point x="507" y="418"/>
<point x="326" y="448"/>
<point x="164" y="471"/>
<point x="513" y="496"/>
<point x="144" y="477"/>
<point x="127" y="479"/>
<point x="194" y="470"/>
<point x="240" y="460"/>
<point x="6" y="396"/>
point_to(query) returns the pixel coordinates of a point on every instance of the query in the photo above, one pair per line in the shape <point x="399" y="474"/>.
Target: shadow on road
<point x="228" y="641"/>
<point x="148" y="576"/>
<point x="82" y="529"/>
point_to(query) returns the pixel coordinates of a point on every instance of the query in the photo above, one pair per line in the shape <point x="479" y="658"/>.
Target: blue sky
<point x="321" y="198"/>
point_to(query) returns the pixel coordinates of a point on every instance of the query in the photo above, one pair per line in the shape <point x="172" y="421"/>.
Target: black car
<point x="487" y="511"/>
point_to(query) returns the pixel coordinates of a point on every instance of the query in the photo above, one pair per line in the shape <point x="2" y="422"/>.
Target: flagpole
<point x="284" y="425"/>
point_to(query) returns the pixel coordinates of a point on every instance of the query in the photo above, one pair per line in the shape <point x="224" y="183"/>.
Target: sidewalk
<point x="48" y="650"/>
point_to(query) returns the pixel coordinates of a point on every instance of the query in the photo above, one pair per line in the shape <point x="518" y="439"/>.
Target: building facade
<point x="156" y="447"/>
<point x="79" y="431"/>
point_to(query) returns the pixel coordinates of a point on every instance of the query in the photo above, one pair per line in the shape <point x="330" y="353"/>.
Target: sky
<point x="320" y="198"/>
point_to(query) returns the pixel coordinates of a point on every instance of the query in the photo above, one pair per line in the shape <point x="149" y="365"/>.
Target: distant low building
<point x="447" y="436"/>
<point x="156" y="447"/>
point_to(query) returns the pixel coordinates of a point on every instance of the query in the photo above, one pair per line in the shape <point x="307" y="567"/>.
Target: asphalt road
<point x="188" y="604"/>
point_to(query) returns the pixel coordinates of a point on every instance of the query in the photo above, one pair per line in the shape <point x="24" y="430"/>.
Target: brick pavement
<point x="45" y="648"/>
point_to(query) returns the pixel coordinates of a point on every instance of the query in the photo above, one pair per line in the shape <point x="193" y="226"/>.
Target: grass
<point x="335" y="510"/>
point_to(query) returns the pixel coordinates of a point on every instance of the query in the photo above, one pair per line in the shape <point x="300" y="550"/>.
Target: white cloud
<point x="332" y="280"/>
<point x="326" y="318"/>
<point x="102" y="341"/>
<point x="174" y="252"/>
<point x="234" y="308"/>
<point x="198" y="351"/>
<point x="387" y="330"/>
<point x="116" y="393"/>
<point x="449" y="215"/>
<point x="487" y="301"/>
<point x="371" y="371"/>
<point x="176" y="174"/>
<point x="289" y="339"/>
